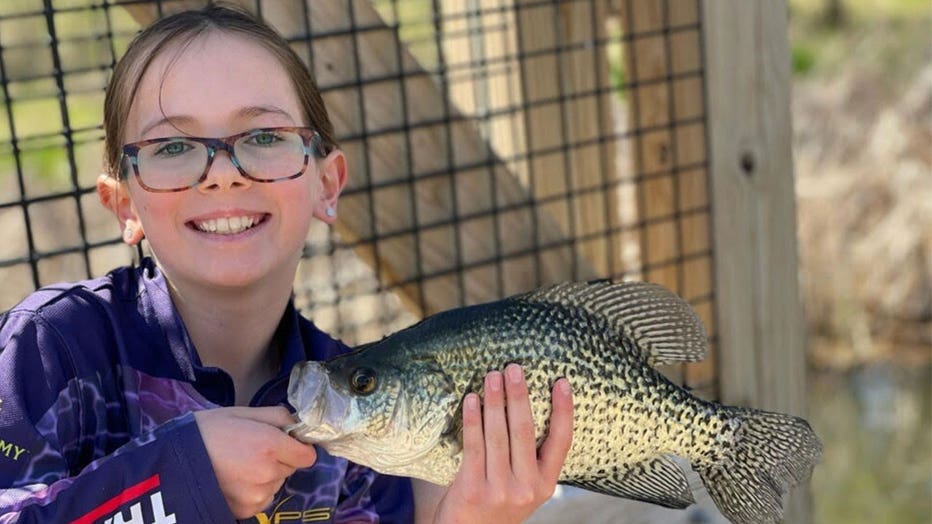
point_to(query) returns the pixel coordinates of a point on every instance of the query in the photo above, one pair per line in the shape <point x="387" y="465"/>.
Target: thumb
<point x="277" y="416"/>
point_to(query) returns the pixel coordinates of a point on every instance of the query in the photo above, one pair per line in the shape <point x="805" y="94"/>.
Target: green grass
<point x="416" y="27"/>
<point x="45" y="164"/>
<point x="804" y="59"/>
<point x="865" y="10"/>
<point x="890" y="37"/>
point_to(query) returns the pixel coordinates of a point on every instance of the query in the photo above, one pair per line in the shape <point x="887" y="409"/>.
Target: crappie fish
<point x="395" y="405"/>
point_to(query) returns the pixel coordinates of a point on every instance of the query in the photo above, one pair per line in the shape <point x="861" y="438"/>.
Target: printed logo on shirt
<point x="145" y="507"/>
<point x="10" y="450"/>
<point x="279" y="516"/>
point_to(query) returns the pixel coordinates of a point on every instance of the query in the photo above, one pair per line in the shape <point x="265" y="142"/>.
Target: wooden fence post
<point x="761" y="338"/>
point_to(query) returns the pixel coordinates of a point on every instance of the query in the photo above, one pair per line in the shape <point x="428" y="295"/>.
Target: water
<point x="876" y="428"/>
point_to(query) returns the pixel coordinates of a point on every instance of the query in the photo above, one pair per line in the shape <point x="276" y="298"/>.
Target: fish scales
<point x="395" y="405"/>
<point x="551" y="343"/>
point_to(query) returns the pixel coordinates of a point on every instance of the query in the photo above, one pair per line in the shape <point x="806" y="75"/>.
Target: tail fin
<point x="770" y="453"/>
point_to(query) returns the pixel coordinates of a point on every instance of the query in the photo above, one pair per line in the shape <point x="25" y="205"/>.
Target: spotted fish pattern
<point x="629" y="419"/>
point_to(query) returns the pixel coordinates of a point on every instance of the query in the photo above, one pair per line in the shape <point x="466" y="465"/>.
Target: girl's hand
<point x="250" y="454"/>
<point x="502" y="478"/>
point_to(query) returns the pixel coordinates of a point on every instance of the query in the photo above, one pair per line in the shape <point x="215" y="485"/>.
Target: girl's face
<point x="218" y="86"/>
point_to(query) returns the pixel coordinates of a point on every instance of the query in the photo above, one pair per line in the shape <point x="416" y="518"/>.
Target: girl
<point x="155" y="393"/>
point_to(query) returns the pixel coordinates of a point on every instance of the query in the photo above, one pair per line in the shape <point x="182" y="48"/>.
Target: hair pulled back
<point x="178" y="31"/>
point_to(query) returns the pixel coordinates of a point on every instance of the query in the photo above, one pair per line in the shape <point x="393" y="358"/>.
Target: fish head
<point x="372" y="411"/>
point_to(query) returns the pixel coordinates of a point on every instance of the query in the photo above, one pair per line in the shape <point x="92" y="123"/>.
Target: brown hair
<point x="181" y="29"/>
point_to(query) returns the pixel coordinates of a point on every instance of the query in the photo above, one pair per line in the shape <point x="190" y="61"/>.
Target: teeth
<point x="226" y="225"/>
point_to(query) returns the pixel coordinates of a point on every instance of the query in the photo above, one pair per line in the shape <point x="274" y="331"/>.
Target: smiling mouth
<point x="228" y="225"/>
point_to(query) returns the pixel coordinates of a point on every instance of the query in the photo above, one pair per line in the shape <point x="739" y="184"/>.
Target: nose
<point x="222" y="174"/>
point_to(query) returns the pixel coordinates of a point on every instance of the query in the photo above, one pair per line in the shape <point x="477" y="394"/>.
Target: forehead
<point x="210" y="81"/>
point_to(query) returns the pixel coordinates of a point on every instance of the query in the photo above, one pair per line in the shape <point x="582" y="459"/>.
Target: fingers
<point x="285" y="449"/>
<point x="277" y="416"/>
<point x="495" y="427"/>
<point x="295" y="454"/>
<point x="510" y="435"/>
<point x="520" y="424"/>
<point x="251" y="467"/>
<point x="560" y="437"/>
<point x="501" y="478"/>
<point x="473" y="465"/>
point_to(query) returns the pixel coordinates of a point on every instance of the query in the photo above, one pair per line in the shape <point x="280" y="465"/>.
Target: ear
<point x="332" y="173"/>
<point x="114" y="196"/>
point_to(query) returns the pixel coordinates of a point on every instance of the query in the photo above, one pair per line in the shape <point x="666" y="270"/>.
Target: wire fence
<point x="494" y="146"/>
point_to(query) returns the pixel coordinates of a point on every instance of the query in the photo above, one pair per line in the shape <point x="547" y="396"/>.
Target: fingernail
<point x="494" y="381"/>
<point x="564" y="385"/>
<point x="514" y="373"/>
<point x="472" y="402"/>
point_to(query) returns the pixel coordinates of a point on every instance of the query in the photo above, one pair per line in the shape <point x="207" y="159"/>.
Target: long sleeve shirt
<point x="98" y="384"/>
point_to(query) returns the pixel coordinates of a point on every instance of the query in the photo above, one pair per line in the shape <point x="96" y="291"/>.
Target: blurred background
<point x="862" y="118"/>
<point x="862" y="146"/>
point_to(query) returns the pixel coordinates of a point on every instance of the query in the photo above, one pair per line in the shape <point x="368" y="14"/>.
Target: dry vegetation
<point x="862" y="110"/>
<point x="863" y="146"/>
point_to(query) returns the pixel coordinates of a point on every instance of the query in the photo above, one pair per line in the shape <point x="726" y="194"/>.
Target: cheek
<point x="378" y="410"/>
<point x="154" y="212"/>
<point x="298" y="203"/>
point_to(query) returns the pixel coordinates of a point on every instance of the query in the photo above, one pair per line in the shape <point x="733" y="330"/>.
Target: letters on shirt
<point x="307" y="515"/>
<point x="142" y="494"/>
<point x="11" y="450"/>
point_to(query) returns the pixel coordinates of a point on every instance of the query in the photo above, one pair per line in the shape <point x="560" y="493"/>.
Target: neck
<point x="234" y="330"/>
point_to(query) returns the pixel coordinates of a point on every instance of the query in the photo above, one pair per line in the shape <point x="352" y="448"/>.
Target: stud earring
<point x="331" y="212"/>
<point x="128" y="233"/>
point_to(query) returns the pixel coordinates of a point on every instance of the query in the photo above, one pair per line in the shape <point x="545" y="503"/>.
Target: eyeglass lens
<point x="180" y="162"/>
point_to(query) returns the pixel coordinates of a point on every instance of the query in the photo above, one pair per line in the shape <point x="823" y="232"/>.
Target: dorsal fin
<point x="661" y="324"/>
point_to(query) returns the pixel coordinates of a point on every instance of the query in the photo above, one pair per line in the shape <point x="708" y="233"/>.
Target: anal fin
<point x="659" y="481"/>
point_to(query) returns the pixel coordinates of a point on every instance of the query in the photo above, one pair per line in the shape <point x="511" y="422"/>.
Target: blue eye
<point x="264" y="138"/>
<point x="173" y="149"/>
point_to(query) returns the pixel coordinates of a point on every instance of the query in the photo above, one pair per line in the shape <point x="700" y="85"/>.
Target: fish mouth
<point x="320" y="410"/>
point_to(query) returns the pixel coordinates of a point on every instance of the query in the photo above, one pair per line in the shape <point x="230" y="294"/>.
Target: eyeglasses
<point x="177" y="163"/>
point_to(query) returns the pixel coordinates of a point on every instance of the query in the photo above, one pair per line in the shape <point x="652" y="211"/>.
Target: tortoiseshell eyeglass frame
<point x="313" y="145"/>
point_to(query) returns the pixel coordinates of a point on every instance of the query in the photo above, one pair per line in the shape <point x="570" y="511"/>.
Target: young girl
<point x="156" y="394"/>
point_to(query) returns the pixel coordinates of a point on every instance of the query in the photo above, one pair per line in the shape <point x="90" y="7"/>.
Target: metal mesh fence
<point x="494" y="146"/>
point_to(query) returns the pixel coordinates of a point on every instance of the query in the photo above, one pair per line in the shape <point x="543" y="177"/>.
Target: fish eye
<point x="363" y="381"/>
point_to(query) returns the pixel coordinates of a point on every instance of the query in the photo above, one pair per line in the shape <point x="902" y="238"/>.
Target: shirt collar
<point x="297" y="339"/>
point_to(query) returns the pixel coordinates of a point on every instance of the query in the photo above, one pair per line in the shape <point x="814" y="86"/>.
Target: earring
<point x="128" y="233"/>
<point x="331" y="212"/>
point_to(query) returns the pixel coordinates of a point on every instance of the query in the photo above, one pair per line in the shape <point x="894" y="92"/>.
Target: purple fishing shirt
<point x="98" y="383"/>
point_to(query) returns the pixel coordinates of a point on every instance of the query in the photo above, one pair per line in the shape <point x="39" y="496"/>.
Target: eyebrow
<point x="248" y="112"/>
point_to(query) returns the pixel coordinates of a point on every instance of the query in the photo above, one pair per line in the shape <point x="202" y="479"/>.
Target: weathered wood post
<point x="760" y="325"/>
